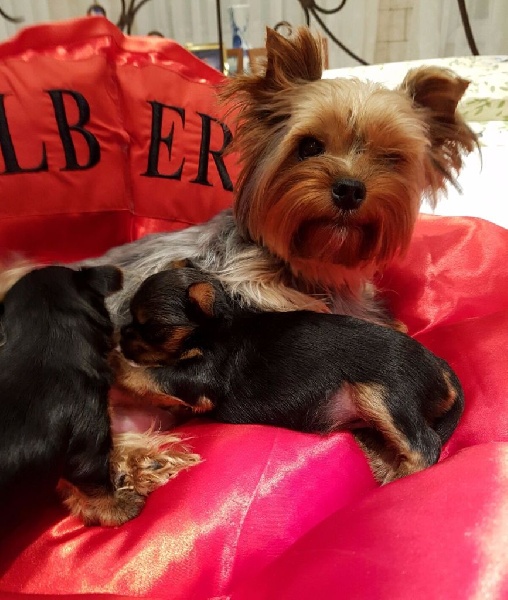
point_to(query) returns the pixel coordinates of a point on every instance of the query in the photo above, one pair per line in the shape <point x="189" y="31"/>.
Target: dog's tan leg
<point x="399" y="326"/>
<point x="100" y="507"/>
<point x="12" y="273"/>
<point x="388" y="450"/>
<point x="136" y="380"/>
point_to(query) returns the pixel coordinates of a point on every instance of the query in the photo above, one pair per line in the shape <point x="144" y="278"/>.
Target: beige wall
<point x="392" y="30"/>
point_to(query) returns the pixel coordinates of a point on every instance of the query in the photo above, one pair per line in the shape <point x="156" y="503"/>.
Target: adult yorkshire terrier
<point x="333" y="175"/>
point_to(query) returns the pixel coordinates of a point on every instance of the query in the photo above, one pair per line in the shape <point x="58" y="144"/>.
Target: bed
<point x="269" y="513"/>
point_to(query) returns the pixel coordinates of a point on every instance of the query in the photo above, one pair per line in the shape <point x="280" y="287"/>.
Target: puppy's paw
<point x="108" y="509"/>
<point x="139" y="386"/>
<point x="145" y="461"/>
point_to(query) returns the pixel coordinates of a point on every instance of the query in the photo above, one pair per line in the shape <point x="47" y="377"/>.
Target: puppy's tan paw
<point x="101" y="508"/>
<point x="145" y="461"/>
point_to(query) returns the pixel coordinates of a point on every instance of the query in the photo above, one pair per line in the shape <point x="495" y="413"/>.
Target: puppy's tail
<point x="446" y="424"/>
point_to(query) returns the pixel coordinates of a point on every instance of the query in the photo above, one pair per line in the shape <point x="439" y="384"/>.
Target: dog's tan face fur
<point x="334" y="171"/>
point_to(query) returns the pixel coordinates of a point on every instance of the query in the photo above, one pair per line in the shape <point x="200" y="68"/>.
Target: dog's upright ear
<point x="201" y="299"/>
<point x="296" y="59"/>
<point x="105" y="279"/>
<point x="436" y="92"/>
<point x="290" y="61"/>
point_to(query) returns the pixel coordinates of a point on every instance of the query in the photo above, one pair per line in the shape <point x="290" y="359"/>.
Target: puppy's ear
<point x="294" y="59"/>
<point x="438" y="91"/>
<point x="201" y="297"/>
<point x="104" y="279"/>
<point x="183" y="263"/>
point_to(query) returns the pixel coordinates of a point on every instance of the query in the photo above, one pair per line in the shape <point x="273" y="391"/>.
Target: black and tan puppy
<point x="55" y="337"/>
<point x="300" y="370"/>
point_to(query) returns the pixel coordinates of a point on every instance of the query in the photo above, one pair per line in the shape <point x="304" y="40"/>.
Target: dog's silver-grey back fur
<point x="256" y="278"/>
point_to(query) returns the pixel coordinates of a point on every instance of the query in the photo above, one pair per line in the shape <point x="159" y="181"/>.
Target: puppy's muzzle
<point x="128" y="333"/>
<point x="131" y="343"/>
<point x="348" y="194"/>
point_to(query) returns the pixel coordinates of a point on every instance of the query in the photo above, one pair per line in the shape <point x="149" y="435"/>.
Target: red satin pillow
<point x="104" y="138"/>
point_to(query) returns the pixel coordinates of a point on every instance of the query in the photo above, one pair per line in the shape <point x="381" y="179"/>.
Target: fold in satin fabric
<point x="276" y="514"/>
<point x="439" y="534"/>
<point x="257" y="491"/>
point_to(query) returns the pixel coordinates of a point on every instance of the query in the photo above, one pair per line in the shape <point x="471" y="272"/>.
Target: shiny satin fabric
<point x="271" y="513"/>
<point x="439" y="534"/>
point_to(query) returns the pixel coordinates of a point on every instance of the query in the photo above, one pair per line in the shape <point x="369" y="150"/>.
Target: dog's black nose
<point x="348" y="194"/>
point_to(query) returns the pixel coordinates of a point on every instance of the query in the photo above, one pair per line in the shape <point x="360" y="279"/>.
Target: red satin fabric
<point x="438" y="534"/>
<point x="269" y="513"/>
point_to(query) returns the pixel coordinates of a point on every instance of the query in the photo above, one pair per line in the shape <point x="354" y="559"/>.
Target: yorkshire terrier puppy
<point x="332" y="179"/>
<point x="55" y="338"/>
<point x="301" y="370"/>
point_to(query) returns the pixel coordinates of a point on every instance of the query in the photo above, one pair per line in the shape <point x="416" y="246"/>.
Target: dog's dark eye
<point x="309" y="147"/>
<point x="394" y="159"/>
<point x="153" y="333"/>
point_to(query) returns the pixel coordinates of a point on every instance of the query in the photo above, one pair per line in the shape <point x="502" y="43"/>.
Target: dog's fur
<point x="300" y="370"/>
<point x="55" y="339"/>
<point x="333" y="175"/>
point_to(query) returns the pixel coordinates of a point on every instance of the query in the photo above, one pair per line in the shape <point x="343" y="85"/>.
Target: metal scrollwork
<point x="311" y="8"/>
<point x="9" y="18"/>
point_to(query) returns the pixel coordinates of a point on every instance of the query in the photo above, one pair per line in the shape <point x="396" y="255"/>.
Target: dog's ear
<point x="294" y="59"/>
<point x="289" y="61"/>
<point x="436" y="88"/>
<point x="201" y="297"/>
<point x="182" y="263"/>
<point x="438" y="91"/>
<point x="104" y="279"/>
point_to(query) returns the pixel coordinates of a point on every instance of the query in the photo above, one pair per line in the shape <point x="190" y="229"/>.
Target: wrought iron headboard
<point x="310" y="8"/>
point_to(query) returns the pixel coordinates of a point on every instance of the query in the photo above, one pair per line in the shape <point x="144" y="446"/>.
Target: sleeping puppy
<point x="301" y="370"/>
<point x="55" y="336"/>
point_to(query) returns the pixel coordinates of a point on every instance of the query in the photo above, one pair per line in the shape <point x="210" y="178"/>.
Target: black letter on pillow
<point x="7" y="147"/>
<point x="156" y="140"/>
<point x="204" y="151"/>
<point x="64" y="129"/>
